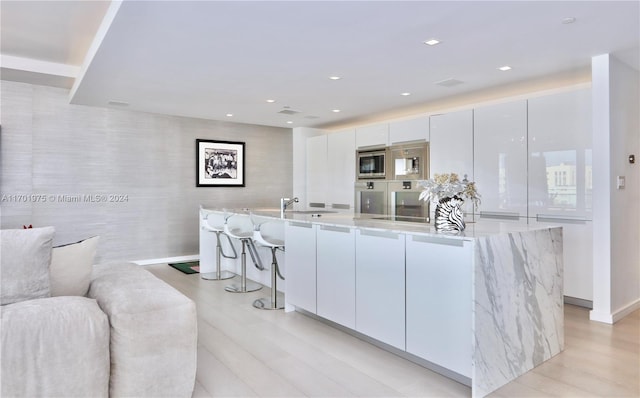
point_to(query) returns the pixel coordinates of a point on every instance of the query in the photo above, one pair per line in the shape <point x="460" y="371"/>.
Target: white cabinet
<point x="380" y="286"/>
<point x="560" y="153"/>
<point x="560" y="183"/>
<point x="409" y="130"/>
<point x="577" y="241"/>
<point x="336" y="273"/>
<point x="578" y="260"/>
<point x="331" y="170"/>
<point x="300" y="258"/>
<point x="373" y="135"/>
<point x="341" y="166"/>
<point x="451" y="148"/>
<point x="439" y="301"/>
<point x="451" y="144"/>
<point x="317" y="175"/>
<point x="500" y="158"/>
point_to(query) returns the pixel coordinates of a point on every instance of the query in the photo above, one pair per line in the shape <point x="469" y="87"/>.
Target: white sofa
<point x="130" y="335"/>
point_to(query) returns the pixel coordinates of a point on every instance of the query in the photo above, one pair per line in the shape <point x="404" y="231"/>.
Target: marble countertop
<point x="474" y="229"/>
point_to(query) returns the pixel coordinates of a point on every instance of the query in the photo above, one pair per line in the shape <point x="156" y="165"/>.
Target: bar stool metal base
<point x="237" y="288"/>
<point x="272" y="302"/>
<point x="267" y="304"/>
<point x="213" y="276"/>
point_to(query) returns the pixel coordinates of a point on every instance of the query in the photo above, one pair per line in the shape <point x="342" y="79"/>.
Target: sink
<point x="310" y="211"/>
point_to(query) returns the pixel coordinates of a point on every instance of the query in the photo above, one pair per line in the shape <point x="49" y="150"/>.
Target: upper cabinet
<point x="409" y="130"/>
<point x="500" y="159"/>
<point x="451" y="144"/>
<point x="373" y="135"/>
<point x="560" y="152"/>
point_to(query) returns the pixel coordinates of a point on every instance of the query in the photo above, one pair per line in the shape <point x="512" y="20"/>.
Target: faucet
<point x="284" y="202"/>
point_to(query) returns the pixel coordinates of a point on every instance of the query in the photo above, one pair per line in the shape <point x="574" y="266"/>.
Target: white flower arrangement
<point x="448" y="186"/>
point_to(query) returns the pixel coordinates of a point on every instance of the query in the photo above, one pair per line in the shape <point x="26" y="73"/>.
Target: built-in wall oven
<point x="371" y="197"/>
<point x="404" y="201"/>
<point x="371" y="163"/>
<point x="409" y="161"/>
<point x="387" y="181"/>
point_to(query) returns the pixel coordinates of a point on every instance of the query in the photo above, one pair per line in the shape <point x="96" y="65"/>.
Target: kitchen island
<point x="482" y="308"/>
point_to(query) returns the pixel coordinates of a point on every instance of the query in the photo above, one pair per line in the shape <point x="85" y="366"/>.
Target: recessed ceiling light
<point x="229" y="114"/>
<point x="335" y="77"/>
<point x="568" y="20"/>
<point x="289" y="122"/>
<point x="405" y="94"/>
<point x="271" y="101"/>
<point x="431" y="42"/>
<point x="335" y="110"/>
<point x="505" y="68"/>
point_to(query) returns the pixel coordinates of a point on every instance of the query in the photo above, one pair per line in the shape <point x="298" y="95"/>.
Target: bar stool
<point x="239" y="227"/>
<point x="214" y="222"/>
<point x="270" y="233"/>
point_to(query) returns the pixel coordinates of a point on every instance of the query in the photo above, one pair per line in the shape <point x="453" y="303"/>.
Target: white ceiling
<point x="209" y="58"/>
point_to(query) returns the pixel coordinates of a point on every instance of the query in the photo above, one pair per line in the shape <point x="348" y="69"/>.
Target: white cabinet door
<point x="380" y="286"/>
<point x="336" y="275"/>
<point x="500" y="158"/>
<point x="409" y="130"/>
<point x="341" y="166"/>
<point x="439" y="301"/>
<point x="451" y="144"/>
<point x="577" y="241"/>
<point x="300" y="257"/>
<point x="377" y="134"/>
<point x="316" y="170"/>
<point x="560" y="153"/>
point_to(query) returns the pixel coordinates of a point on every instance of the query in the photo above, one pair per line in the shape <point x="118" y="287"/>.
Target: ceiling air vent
<point x="289" y="112"/>
<point x="118" y="103"/>
<point x="449" y="82"/>
<point x="311" y="117"/>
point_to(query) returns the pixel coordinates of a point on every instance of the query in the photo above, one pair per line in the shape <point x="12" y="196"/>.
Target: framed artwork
<point x="219" y="163"/>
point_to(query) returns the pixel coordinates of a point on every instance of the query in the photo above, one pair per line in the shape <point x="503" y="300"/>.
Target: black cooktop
<point x="402" y="219"/>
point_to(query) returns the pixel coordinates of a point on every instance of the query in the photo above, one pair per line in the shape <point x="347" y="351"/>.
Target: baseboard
<point x="579" y="302"/>
<point x="615" y="316"/>
<point x="626" y="310"/>
<point x="178" y="259"/>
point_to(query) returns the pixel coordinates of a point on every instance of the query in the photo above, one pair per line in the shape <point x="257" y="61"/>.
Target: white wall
<point x="49" y="147"/>
<point x="616" y="218"/>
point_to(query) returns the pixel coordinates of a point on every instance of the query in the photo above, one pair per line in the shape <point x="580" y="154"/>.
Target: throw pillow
<point x="71" y="267"/>
<point x="25" y="255"/>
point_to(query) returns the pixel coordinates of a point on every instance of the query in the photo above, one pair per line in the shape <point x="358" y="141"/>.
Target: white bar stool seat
<point x="270" y="233"/>
<point x="214" y="222"/>
<point x="240" y="227"/>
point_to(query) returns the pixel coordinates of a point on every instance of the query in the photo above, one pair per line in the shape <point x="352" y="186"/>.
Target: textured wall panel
<point x="75" y="153"/>
<point x="15" y="153"/>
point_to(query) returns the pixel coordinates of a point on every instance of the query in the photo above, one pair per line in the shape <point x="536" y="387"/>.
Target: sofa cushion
<point x="54" y="347"/>
<point x="153" y="332"/>
<point x="71" y="266"/>
<point x="25" y="255"/>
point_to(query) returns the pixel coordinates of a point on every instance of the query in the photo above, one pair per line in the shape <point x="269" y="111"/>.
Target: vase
<point x="449" y="216"/>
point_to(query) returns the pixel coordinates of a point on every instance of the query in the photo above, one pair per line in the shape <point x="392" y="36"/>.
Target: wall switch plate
<point x="621" y="182"/>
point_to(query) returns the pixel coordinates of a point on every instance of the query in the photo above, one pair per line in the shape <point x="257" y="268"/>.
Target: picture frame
<point x="219" y="163"/>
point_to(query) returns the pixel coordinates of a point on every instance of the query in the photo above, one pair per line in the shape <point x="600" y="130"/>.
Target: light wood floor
<point x="245" y="352"/>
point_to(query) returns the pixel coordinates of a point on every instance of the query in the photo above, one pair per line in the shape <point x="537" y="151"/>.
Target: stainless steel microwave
<point x="371" y="163"/>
